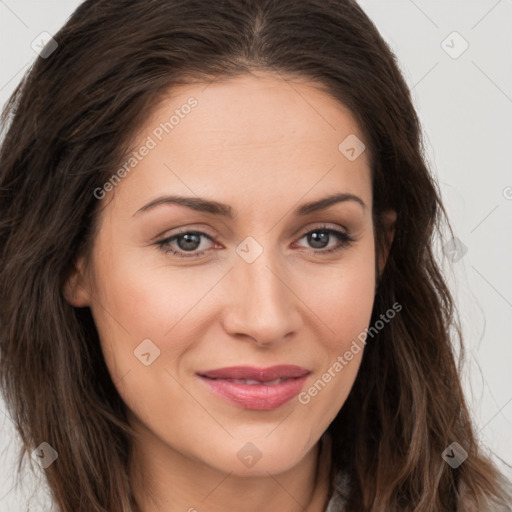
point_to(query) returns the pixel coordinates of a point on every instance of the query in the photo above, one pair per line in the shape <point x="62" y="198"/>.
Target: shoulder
<point x="467" y="504"/>
<point x="340" y="491"/>
<point x="493" y="506"/>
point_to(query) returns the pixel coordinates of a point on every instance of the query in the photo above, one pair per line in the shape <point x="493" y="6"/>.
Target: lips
<point x="257" y="374"/>
<point x="256" y="388"/>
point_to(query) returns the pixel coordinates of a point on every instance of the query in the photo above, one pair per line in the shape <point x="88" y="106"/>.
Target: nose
<point x="262" y="304"/>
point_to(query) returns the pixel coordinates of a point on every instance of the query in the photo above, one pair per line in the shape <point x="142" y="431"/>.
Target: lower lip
<point x="257" y="397"/>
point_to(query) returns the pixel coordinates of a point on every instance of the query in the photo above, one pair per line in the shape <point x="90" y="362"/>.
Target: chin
<point x="258" y="457"/>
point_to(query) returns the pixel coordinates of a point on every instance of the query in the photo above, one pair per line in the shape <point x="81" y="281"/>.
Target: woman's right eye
<point x="187" y="241"/>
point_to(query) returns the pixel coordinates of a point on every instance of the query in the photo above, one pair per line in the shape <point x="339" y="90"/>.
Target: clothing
<point x="339" y="483"/>
<point x="337" y="501"/>
<point x="340" y="487"/>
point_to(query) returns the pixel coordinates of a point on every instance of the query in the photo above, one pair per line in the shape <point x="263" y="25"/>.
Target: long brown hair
<point x="68" y="126"/>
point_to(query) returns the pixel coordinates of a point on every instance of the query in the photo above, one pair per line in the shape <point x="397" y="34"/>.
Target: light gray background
<point x="465" y="105"/>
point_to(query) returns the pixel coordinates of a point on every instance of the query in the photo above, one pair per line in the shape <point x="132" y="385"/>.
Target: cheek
<point x="343" y="300"/>
<point x="342" y="295"/>
<point x="137" y="300"/>
<point x="142" y="294"/>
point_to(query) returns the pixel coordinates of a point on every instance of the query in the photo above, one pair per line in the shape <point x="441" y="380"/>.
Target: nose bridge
<point x="262" y="306"/>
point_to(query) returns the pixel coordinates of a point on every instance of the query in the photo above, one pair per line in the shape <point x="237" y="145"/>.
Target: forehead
<point x="257" y="110"/>
<point x="257" y="134"/>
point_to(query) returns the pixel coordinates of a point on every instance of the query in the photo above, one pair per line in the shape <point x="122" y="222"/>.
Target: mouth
<point x="249" y="382"/>
<point x="261" y="389"/>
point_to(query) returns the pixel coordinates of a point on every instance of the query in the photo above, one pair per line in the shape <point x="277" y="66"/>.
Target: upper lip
<point x="260" y="374"/>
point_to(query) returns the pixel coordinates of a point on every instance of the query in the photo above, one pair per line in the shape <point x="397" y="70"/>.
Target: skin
<point x="263" y="147"/>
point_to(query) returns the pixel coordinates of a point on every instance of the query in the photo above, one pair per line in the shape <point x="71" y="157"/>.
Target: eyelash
<point x="345" y="241"/>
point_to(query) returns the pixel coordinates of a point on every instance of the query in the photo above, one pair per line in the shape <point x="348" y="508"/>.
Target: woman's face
<point x="249" y="286"/>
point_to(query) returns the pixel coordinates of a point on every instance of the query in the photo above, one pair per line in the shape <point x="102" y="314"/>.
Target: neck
<point x="167" y="480"/>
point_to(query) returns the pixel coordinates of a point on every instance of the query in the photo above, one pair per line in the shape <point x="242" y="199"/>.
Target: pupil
<point x="192" y="240"/>
<point x="318" y="237"/>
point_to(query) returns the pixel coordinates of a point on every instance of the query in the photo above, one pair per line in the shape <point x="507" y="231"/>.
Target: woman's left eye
<point x="190" y="241"/>
<point x="320" y="237"/>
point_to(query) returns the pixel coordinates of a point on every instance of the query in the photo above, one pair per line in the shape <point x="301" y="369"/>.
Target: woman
<point x="218" y="289"/>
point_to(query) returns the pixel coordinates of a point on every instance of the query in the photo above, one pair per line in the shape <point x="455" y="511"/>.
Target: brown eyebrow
<point x="224" y="210"/>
